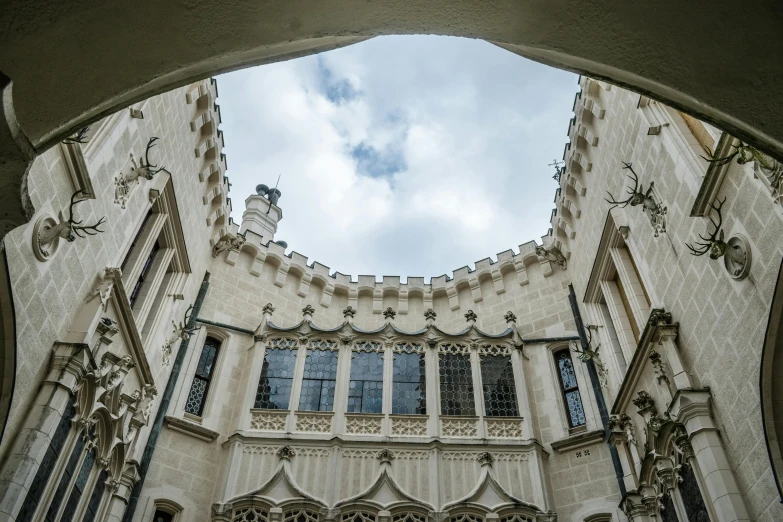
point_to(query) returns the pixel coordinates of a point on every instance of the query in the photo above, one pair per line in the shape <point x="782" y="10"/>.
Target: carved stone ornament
<point x="385" y="455"/>
<point x="510" y="317"/>
<point x="48" y="231"/>
<point x="658" y="367"/>
<point x="389" y="314"/>
<point x="124" y="183"/>
<point x="644" y="402"/>
<point x="268" y="309"/>
<point x="553" y="255"/>
<point x="471" y="316"/>
<point x="659" y="317"/>
<point x="682" y="442"/>
<point x="228" y="242"/>
<point x="308" y="310"/>
<point x="104" y="286"/>
<point x="656" y="422"/>
<point x="285" y="453"/>
<point x="183" y="331"/>
<point x="349" y="312"/>
<point x="485" y="458"/>
<point x="430" y="314"/>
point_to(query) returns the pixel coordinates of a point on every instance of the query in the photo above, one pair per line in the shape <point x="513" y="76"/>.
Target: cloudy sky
<point x="402" y="155"/>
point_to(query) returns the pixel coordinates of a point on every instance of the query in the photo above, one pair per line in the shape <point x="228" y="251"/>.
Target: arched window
<point x="201" y="381"/>
<point x="570" y="389"/>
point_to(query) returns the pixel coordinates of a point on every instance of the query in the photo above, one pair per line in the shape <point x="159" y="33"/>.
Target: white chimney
<point x="262" y="213"/>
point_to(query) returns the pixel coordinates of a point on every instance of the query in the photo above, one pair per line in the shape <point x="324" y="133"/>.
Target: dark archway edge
<point x="771" y="384"/>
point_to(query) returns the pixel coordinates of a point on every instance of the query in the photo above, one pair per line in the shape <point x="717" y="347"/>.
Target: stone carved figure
<point x="124" y="183"/>
<point x="553" y="255"/>
<point x="104" y="287"/>
<point x="655" y="210"/>
<point x="772" y="169"/>
<point x="229" y="242"/>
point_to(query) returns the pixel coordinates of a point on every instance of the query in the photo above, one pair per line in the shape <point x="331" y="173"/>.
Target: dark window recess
<point x="570" y="389"/>
<point x="691" y="496"/>
<point x="456" y="385"/>
<point x="65" y="480"/>
<point x="145" y="272"/>
<point x="96" y="497"/>
<point x="320" y="374"/>
<point x="668" y="513"/>
<point x="365" y="390"/>
<point x="277" y="377"/>
<point x="200" y="386"/>
<point x="497" y="381"/>
<point x="48" y="463"/>
<point x="162" y="516"/>
<point x="136" y="240"/>
<point x="409" y="384"/>
<point x="78" y="487"/>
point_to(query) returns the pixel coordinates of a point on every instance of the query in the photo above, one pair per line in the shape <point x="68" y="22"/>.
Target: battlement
<point x="307" y="272"/>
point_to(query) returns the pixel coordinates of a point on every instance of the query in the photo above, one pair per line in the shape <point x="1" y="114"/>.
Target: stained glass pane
<point x="409" y="384"/>
<point x="198" y="390"/>
<point x="566" y="367"/>
<point x="78" y="487"/>
<point x="576" y="412"/>
<point x="320" y="374"/>
<point x="691" y="496"/>
<point x="497" y="380"/>
<point x="95" y="498"/>
<point x="668" y="513"/>
<point x="195" y="402"/>
<point x="207" y="360"/>
<point x="456" y="385"/>
<point x="365" y="391"/>
<point x="65" y="480"/>
<point x="277" y="377"/>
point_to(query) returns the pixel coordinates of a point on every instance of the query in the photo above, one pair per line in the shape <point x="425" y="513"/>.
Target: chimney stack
<point x="262" y="213"/>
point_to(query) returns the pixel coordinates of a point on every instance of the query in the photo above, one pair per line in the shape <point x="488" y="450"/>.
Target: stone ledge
<point x="578" y="441"/>
<point x="191" y="428"/>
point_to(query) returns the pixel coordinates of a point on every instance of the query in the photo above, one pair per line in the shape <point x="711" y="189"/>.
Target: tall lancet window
<point x="409" y="386"/>
<point x="320" y="376"/>
<point x="277" y="375"/>
<point x="456" y="380"/>
<point x="497" y="381"/>
<point x="571" y="396"/>
<point x="198" y="390"/>
<point x="365" y="390"/>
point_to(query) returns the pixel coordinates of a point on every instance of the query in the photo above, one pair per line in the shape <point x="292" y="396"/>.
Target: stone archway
<point x="771" y="384"/>
<point x="7" y="344"/>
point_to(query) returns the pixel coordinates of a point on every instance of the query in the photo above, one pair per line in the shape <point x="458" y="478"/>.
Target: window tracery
<point x="516" y="517"/>
<point x="408" y="517"/>
<point x="692" y="499"/>
<point x="358" y="516"/>
<point x="466" y="517"/>
<point x="200" y="386"/>
<point x="250" y="514"/>
<point x="301" y="515"/>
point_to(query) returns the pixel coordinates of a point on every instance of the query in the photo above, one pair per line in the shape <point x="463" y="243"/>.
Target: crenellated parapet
<point x="230" y="245"/>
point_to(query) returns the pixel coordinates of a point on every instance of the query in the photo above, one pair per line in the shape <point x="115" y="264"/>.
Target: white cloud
<point x="406" y="156"/>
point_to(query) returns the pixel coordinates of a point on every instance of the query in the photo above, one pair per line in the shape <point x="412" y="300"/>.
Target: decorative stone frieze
<point x="314" y="422"/>
<point x="504" y="428"/>
<point x="409" y="426"/>
<point x="363" y="424"/>
<point x="268" y="421"/>
<point x="452" y="427"/>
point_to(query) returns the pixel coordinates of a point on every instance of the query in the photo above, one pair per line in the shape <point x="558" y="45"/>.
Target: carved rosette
<point x="389" y="314"/>
<point x="385" y="456"/>
<point x="286" y="453"/>
<point x="471" y="316"/>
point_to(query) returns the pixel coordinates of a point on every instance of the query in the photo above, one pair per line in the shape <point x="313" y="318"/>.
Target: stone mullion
<point x="611" y="345"/>
<point x="433" y="393"/>
<point x="341" y="387"/>
<point x="478" y="391"/>
<point x="296" y="384"/>
<point x="150" y="287"/>
<point x="388" y="374"/>
<point x="142" y="250"/>
<point x="523" y="400"/>
<point x="620" y="320"/>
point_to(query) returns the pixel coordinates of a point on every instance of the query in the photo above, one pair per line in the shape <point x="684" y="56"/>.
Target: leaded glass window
<point x="95" y="498"/>
<point x="409" y="384"/>
<point x="320" y="375"/>
<point x="668" y="513"/>
<point x="198" y="390"/>
<point x="691" y="496"/>
<point x="78" y="486"/>
<point x="164" y="516"/>
<point x="65" y="480"/>
<point x="570" y="388"/>
<point x="365" y="389"/>
<point x="456" y="384"/>
<point x="277" y="377"/>
<point x="497" y="381"/>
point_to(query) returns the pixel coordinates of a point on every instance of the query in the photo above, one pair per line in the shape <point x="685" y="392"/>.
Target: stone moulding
<point x="268" y="420"/>
<point x="580" y="440"/>
<point x="191" y="428"/>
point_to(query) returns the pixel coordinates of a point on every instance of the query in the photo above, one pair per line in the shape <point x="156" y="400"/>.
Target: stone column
<point x="618" y="437"/>
<point x="691" y="408"/>
<point x="69" y="363"/>
<point x="120" y="493"/>
<point x="635" y="509"/>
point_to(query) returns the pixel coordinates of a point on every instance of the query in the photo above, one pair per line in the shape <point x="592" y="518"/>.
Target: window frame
<point x="514" y="393"/>
<point x="563" y="391"/>
<point x="294" y="347"/>
<point x="214" y="368"/>
<point x="464" y="351"/>
<point x="417" y="350"/>
<point x="377" y="348"/>
<point x="335" y="350"/>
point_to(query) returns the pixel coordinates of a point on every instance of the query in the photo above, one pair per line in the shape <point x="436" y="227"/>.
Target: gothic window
<point x="365" y="390"/>
<point x="320" y="376"/>
<point x="358" y="516"/>
<point x="95" y="498"/>
<point x="521" y="518"/>
<point x="409" y="517"/>
<point x="206" y="365"/>
<point x="145" y="272"/>
<point x="691" y="496"/>
<point x="65" y="480"/>
<point x="78" y="486"/>
<point x="456" y="384"/>
<point x="248" y="514"/>
<point x="497" y="381"/>
<point x="466" y="517"/>
<point x="43" y="475"/>
<point x="668" y="513"/>
<point x="409" y="384"/>
<point x="135" y="241"/>
<point x="277" y="376"/>
<point x="165" y="516"/>
<point x="570" y="388"/>
<point x="301" y="515"/>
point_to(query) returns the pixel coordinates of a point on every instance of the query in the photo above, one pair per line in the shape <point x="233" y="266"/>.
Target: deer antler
<point x="724" y="160"/>
<point x="90" y="230"/>
<point x="150" y="166"/>
<point x="632" y="191"/>
<point x="703" y="246"/>
<point x="188" y="318"/>
<point x="80" y="137"/>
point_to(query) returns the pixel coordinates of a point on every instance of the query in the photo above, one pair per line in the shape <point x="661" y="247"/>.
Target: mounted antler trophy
<point x="735" y="252"/>
<point x="48" y="231"/>
<point x="772" y="169"/>
<point x="145" y="169"/>
<point x="654" y="209"/>
<point x="183" y="331"/>
<point x="591" y="354"/>
<point x="79" y="137"/>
